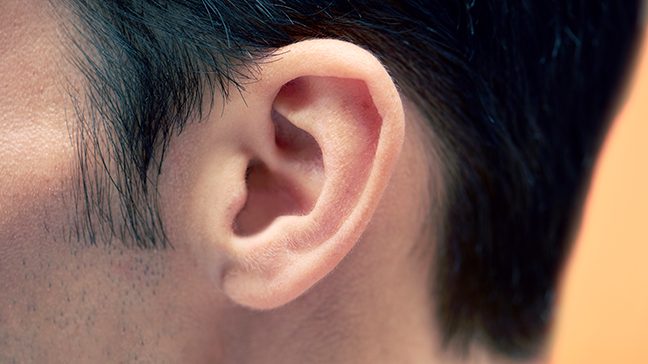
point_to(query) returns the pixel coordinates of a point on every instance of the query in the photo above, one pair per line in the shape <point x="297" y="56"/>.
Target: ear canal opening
<point x="290" y="191"/>
<point x="269" y="196"/>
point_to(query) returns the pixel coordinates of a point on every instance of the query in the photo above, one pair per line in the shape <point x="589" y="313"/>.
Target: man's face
<point x="258" y="208"/>
<point x="57" y="295"/>
<point x="302" y="209"/>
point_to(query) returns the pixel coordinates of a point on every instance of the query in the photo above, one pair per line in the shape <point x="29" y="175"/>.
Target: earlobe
<point x="333" y="128"/>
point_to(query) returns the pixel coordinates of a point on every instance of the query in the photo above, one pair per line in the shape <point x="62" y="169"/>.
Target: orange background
<point x="603" y="311"/>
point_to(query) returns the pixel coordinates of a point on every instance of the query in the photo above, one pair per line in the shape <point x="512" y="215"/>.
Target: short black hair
<point x="518" y="94"/>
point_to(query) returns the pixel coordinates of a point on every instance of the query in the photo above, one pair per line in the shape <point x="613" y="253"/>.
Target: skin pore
<point x="66" y="301"/>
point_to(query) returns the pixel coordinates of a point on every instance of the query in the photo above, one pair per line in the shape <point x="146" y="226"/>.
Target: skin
<point x="338" y="283"/>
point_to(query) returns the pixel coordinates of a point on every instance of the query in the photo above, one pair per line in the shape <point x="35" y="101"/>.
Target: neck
<point x="349" y="317"/>
<point x="355" y="315"/>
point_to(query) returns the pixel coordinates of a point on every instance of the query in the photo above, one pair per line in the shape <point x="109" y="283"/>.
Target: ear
<point x="319" y="134"/>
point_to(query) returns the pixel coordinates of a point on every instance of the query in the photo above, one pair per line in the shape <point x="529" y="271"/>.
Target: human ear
<point x="312" y="145"/>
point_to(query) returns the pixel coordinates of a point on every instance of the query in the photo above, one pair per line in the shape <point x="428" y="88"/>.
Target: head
<point x="207" y="181"/>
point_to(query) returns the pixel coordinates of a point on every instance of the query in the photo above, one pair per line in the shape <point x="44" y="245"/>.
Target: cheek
<point x="34" y="177"/>
<point x="33" y="158"/>
<point x="36" y="169"/>
<point x="36" y="153"/>
<point x="36" y="164"/>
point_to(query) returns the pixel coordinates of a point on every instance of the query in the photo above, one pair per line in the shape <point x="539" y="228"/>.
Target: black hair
<point x="518" y="93"/>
